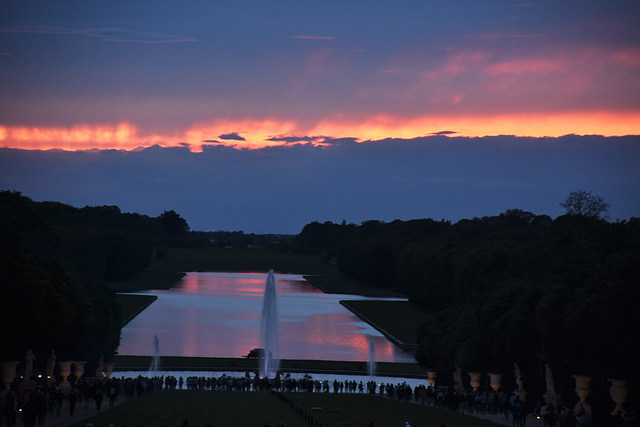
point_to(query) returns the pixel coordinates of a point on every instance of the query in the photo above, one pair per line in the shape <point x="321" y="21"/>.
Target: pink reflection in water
<point x="218" y="315"/>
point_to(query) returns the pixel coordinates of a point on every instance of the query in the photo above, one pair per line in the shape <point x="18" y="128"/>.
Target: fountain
<point x="372" y="358"/>
<point x="269" y="330"/>
<point x="155" y="362"/>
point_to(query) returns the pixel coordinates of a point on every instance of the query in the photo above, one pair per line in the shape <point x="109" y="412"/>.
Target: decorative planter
<point x="475" y="380"/>
<point x="495" y="381"/>
<point x="108" y="369"/>
<point x="78" y="369"/>
<point x="582" y="387"/>
<point x="9" y="369"/>
<point x="618" y="392"/>
<point x="582" y="390"/>
<point x="65" y="371"/>
<point x="431" y="377"/>
<point x="8" y="374"/>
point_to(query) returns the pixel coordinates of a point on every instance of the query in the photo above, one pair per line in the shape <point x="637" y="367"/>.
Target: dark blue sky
<point x="280" y="189"/>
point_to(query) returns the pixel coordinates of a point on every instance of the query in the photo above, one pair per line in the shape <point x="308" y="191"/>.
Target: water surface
<point x="218" y="315"/>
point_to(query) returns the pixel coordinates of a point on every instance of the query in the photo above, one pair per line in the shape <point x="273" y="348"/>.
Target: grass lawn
<point x="240" y="259"/>
<point x="131" y="305"/>
<point x="255" y="409"/>
<point x="224" y="409"/>
<point x="398" y="318"/>
<point x="359" y="409"/>
<point x="148" y="279"/>
<point x="350" y="286"/>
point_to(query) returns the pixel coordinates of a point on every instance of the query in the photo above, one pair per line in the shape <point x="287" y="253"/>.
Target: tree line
<point x="56" y="261"/>
<point x="512" y="288"/>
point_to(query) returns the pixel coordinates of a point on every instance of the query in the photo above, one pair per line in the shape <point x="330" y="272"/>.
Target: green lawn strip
<point x="348" y="285"/>
<point x="359" y="409"/>
<point x="148" y="279"/>
<point x="398" y="319"/>
<point x="242" y="365"/>
<point x="241" y="260"/>
<point x="220" y="409"/>
<point x="132" y="305"/>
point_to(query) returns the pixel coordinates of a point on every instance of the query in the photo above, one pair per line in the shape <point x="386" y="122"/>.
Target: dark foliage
<point x="56" y="261"/>
<point x="513" y="288"/>
<point x="316" y="238"/>
<point x="239" y="239"/>
<point x="584" y="203"/>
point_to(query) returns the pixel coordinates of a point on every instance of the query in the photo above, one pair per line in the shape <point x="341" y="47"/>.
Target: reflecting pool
<point x="218" y="315"/>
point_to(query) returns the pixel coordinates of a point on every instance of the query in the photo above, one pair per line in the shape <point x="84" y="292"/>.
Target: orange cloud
<point x="83" y="136"/>
<point x="257" y="132"/>
<point x="537" y="125"/>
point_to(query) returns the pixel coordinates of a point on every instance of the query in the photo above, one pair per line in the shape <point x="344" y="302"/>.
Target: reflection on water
<point x="218" y="315"/>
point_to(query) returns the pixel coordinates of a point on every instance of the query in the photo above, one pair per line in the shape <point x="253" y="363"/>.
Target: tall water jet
<point x="372" y="358"/>
<point x="269" y="357"/>
<point x="155" y="362"/>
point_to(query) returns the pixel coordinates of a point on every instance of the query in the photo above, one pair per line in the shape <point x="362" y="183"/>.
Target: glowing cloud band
<point x="256" y="133"/>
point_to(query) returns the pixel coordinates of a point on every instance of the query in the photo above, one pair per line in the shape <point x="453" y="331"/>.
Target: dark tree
<point x="174" y="229"/>
<point x="56" y="261"/>
<point x="173" y="223"/>
<point x="513" y="288"/>
<point x="584" y="203"/>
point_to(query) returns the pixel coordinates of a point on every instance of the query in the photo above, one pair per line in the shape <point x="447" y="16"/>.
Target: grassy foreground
<point x="170" y="407"/>
<point x="255" y="409"/>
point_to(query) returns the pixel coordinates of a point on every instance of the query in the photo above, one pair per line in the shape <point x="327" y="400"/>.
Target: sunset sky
<point x="115" y="74"/>
<point x="80" y="75"/>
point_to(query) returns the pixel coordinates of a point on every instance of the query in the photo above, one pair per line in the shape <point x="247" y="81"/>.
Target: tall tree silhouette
<point x="584" y="203"/>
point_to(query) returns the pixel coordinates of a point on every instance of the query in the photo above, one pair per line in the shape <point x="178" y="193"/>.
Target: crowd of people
<point x="33" y="405"/>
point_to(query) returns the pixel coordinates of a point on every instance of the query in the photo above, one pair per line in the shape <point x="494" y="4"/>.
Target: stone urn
<point x="582" y="390"/>
<point x="475" y="380"/>
<point x="431" y="377"/>
<point x="108" y="369"/>
<point x="618" y="392"/>
<point x="582" y="387"/>
<point x="8" y="374"/>
<point x="65" y="371"/>
<point x="78" y="369"/>
<point x="495" y="381"/>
